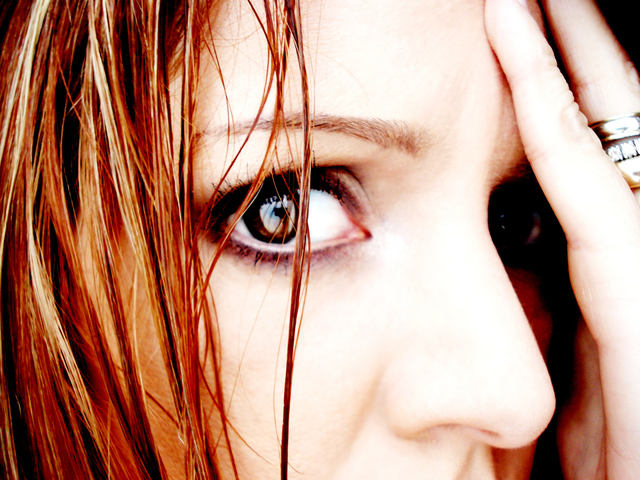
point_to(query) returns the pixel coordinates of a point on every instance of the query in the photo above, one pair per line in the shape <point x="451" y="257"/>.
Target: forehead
<point x="373" y="50"/>
<point x="425" y="63"/>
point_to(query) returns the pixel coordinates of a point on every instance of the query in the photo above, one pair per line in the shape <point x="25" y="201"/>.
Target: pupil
<point x="524" y="229"/>
<point x="522" y="225"/>
<point x="515" y="226"/>
<point x="276" y="214"/>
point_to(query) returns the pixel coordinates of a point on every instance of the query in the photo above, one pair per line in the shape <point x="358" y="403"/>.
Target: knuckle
<point x="541" y="64"/>
<point x="565" y="133"/>
<point x="587" y="87"/>
<point x="576" y="127"/>
<point x="633" y="77"/>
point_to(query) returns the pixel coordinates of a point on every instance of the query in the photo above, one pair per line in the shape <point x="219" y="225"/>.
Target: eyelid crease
<point x="238" y="182"/>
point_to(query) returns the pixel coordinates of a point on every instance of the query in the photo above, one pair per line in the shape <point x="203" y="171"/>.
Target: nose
<point x="463" y="357"/>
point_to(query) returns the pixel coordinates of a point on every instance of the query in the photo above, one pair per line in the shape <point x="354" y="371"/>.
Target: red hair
<point x="88" y="164"/>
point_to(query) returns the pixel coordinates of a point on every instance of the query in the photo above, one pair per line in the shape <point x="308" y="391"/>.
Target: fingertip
<point x="515" y="35"/>
<point x="504" y="19"/>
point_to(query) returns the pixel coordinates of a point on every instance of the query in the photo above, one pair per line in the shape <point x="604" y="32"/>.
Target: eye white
<point x="327" y="217"/>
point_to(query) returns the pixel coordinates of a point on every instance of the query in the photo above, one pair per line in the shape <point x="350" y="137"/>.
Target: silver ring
<point x="620" y="138"/>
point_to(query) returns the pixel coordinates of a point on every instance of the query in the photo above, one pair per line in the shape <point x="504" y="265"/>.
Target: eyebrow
<point x="387" y="134"/>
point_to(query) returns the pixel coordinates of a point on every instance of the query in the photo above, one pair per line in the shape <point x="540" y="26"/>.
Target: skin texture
<point x="420" y="354"/>
<point x="395" y="376"/>
<point x="602" y="222"/>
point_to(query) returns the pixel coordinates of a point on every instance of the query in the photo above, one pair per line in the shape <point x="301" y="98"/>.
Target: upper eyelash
<point x="226" y="203"/>
<point x="226" y="187"/>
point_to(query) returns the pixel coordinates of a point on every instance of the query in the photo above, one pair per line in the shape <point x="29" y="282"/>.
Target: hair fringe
<point x="87" y="165"/>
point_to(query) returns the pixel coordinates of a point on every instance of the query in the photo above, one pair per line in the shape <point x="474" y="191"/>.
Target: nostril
<point x="436" y="432"/>
<point x="506" y="407"/>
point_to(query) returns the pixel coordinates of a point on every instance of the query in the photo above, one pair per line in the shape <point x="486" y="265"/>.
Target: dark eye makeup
<point x="266" y="230"/>
<point x="522" y="225"/>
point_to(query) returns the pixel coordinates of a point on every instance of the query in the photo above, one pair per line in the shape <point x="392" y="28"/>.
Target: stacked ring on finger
<point x="620" y="138"/>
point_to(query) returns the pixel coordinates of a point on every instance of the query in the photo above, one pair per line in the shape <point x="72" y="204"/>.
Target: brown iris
<point x="271" y="217"/>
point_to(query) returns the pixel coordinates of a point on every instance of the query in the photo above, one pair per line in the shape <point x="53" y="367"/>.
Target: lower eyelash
<point x="283" y="259"/>
<point x="257" y="257"/>
<point x="327" y="180"/>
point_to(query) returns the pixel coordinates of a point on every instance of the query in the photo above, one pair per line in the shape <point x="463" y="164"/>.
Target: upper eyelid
<point x="520" y="172"/>
<point x="333" y="139"/>
<point x="229" y="187"/>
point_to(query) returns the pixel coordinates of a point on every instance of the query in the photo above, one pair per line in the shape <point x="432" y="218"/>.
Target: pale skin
<point x="421" y="356"/>
<point x="602" y="222"/>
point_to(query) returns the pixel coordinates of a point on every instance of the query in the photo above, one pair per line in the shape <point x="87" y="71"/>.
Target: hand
<point x="599" y="435"/>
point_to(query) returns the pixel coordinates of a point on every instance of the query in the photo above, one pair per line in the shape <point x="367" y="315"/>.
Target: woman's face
<point x="420" y="355"/>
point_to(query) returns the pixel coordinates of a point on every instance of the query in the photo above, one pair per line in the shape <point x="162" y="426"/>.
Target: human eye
<point x="271" y="216"/>
<point x="523" y="227"/>
<point x="267" y="227"/>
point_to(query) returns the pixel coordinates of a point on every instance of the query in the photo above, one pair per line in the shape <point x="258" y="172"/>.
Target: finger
<point x="596" y="210"/>
<point x="603" y="79"/>
<point x="565" y="153"/>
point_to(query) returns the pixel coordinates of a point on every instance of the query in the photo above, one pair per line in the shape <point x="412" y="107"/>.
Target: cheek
<point x="250" y="335"/>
